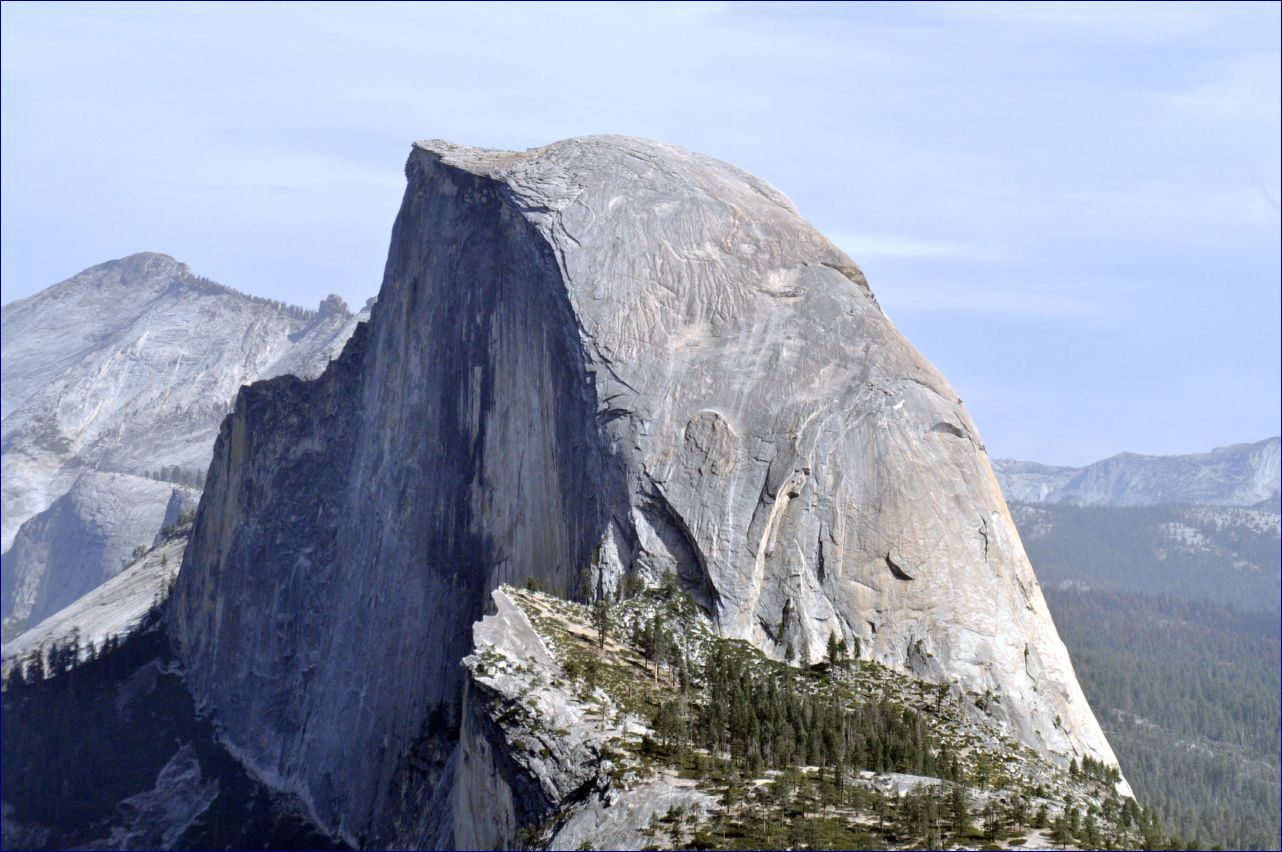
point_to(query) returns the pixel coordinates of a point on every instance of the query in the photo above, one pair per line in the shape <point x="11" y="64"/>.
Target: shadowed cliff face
<point x="355" y="525"/>
<point x="607" y="352"/>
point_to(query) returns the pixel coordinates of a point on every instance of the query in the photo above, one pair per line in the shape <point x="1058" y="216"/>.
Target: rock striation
<point x="606" y="353"/>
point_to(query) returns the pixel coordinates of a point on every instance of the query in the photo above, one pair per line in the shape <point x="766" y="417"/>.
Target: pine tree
<point x="655" y="643"/>
<point x="992" y="819"/>
<point x="1059" y="831"/>
<point x="601" y="618"/>
<point x="633" y="585"/>
<point x="959" y="811"/>
<point x="1018" y="811"/>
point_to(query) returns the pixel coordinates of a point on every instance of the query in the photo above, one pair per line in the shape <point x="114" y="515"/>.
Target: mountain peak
<point x="143" y="266"/>
<point x="333" y="305"/>
<point x="142" y="260"/>
<point x="547" y="174"/>
<point x="131" y="364"/>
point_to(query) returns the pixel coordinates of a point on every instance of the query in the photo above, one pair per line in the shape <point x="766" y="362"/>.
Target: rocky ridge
<point x="563" y="747"/>
<point x="111" y="611"/>
<point x="1203" y="526"/>
<point x="1239" y="475"/>
<point x="84" y="538"/>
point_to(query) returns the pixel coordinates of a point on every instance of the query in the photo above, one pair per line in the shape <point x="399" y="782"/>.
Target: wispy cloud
<point x="1012" y="177"/>
<point x="1117" y="20"/>
<point x="1246" y="87"/>
<point x="903" y="247"/>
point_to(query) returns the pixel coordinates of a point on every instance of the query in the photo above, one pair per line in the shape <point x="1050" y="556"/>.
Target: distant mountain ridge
<point x="1163" y="574"/>
<point x="111" y="376"/>
<point x="1237" y="475"/>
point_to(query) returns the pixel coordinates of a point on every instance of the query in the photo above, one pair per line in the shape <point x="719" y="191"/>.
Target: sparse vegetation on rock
<point x="842" y="754"/>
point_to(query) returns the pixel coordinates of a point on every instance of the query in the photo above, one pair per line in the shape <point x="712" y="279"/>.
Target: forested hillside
<point x="1171" y="616"/>
<point x="1223" y="554"/>
<point x="1188" y="695"/>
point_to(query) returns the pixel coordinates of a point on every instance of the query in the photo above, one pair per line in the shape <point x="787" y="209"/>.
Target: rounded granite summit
<point x="606" y="353"/>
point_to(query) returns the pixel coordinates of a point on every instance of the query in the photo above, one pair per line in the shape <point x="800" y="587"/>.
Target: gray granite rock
<point x="620" y="823"/>
<point x="84" y="539"/>
<point x="606" y="351"/>
<point x="533" y="753"/>
<point x="157" y="818"/>
<point x="113" y="609"/>
<point x="526" y="747"/>
<point x="131" y="365"/>
<point x="128" y="367"/>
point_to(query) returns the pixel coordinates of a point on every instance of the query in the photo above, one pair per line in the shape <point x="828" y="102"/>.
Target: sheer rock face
<point x="612" y="352"/>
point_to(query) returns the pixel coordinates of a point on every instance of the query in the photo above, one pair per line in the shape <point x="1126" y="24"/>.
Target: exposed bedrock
<point x="84" y="539"/>
<point x="611" y="352"/>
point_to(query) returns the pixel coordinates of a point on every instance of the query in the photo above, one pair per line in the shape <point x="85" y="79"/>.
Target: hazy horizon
<point x="1081" y="230"/>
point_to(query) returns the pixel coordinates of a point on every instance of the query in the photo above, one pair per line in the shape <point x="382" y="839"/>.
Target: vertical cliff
<point x="606" y="352"/>
<point x="355" y="525"/>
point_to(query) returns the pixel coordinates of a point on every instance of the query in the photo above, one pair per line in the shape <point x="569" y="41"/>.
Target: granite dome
<point x="612" y="353"/>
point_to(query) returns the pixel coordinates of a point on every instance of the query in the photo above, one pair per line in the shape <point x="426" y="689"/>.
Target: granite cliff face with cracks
<point x="605" y="352"/>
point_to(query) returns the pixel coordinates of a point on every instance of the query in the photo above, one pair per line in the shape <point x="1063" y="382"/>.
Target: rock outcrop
<point x="511" y="769"/>
<point x="112" y="610"/>
<point x="605" y="353"/>
<point x="564" y="743"/>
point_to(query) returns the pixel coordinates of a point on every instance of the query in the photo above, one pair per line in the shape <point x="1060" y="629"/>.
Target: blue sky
<point x="1071" y="209"/>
